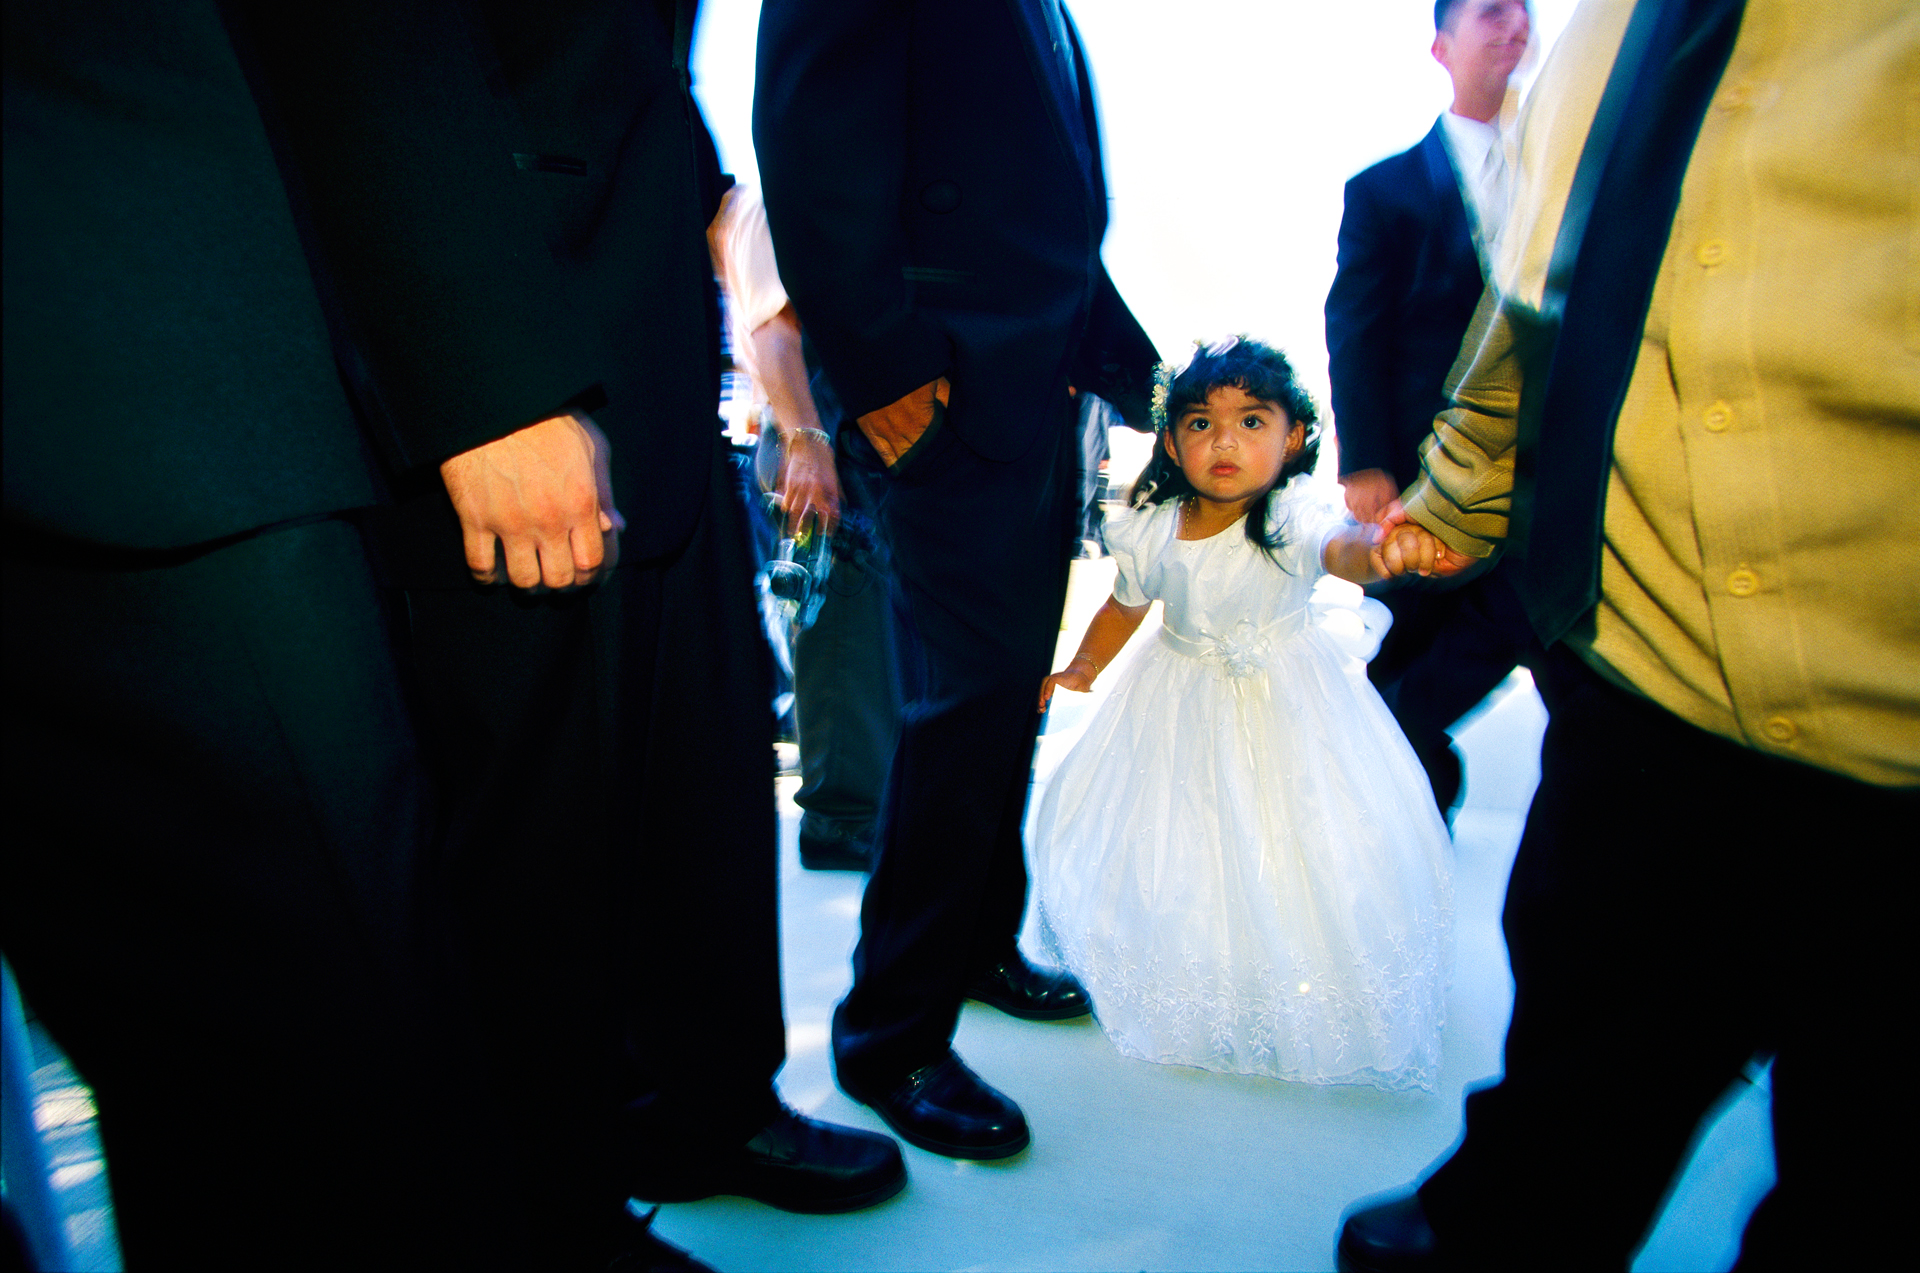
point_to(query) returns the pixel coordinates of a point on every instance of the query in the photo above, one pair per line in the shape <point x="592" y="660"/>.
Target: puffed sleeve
<point x="1136" y="538"/>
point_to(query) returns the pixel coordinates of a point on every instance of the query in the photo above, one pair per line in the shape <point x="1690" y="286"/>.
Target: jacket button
<point x="1711" y="253"/>
<point x="1718" y="418"/>
<point x="1743" y="582"/>
<point x="940" y="196"/>
<point x="1780" y="729"/>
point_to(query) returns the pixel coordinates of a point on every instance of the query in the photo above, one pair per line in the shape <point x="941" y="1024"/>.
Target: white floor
<point x="1137" y="1166"/>
<point x="1133" y="1166"/>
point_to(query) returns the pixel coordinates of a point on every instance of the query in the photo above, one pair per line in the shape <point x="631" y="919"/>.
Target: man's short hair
<point x="1443" y="11"/>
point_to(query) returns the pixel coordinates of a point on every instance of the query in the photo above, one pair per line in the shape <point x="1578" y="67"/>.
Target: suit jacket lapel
<point x="1450" y="193"/>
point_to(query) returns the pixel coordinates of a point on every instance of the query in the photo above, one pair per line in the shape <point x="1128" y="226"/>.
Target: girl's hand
<point x="1076" y="676"/>
<point x="1112" y="624"/>
<point x="1410" y="548"/>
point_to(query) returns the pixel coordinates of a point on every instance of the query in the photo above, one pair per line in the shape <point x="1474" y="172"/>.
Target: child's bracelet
<point x="825" y="438"/>
<point x="1089" y="658"/>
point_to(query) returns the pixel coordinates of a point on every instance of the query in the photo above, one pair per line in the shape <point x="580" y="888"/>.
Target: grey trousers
<point x="847" y="693"/>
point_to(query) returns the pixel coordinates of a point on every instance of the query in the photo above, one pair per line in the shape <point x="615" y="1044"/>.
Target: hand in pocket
<point x="897" y="428"/>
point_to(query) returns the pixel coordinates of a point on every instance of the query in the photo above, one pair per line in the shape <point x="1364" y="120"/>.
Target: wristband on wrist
<point x="1090" y="659"/>
<point x="824" y="437"/>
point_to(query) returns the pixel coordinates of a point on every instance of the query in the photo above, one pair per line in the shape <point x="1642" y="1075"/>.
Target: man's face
<point x="1484" y="40"/>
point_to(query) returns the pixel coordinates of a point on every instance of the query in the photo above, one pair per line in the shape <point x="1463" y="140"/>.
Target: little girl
<point x="1240" y="858"/>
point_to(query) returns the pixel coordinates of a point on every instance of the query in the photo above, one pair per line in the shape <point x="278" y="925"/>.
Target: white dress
<point x="1240" y="857"/>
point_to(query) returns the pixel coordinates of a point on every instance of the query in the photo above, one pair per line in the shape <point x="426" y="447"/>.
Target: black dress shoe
<point x="793" y="1163"/>
<point x="945" y="1108"/>
<point x="642" y="1251"/>
<point x="1391" y="1237"/>
<point x="1019" y="989"/>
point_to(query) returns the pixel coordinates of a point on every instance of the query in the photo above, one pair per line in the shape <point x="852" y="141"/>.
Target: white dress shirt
<point x="1479" y="152"/>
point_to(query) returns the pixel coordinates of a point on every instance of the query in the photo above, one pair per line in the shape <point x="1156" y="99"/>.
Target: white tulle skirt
<point x="1241" y="859"/>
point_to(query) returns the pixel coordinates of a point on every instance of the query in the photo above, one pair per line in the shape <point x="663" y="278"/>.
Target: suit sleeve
<point x="432" y="244"/>
<point x="1115" y="359"/>
<point x="830" y="110"/>
<point x="1362" y="307"/>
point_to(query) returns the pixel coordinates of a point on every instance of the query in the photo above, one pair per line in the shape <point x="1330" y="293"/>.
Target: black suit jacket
<point x="507" y="203"/>
<point x="1408" y="281"/>
<point x="169" y="378"/>
<point x="934" y="188"/>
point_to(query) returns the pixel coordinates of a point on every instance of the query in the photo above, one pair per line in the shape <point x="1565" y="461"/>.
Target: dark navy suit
<point x="507" y="205"/>
<point x="933" y="183"/>
<point x="218" y="810"/>
<point x="1408" y="281"/>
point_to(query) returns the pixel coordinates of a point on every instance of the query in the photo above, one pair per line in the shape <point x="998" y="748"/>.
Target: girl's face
<point x="1232" y="446"/>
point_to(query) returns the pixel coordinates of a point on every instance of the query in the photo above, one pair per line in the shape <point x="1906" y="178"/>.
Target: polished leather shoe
<point x="642" y="1251"/>
<point x="1019" y="989"/>
<point x="1390" y="1237"/>
<point x="945" y="1108"/>
<point x="793" y="1163"/>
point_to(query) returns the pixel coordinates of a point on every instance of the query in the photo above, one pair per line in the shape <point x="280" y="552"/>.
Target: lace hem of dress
<point x="1252" y="1019"/>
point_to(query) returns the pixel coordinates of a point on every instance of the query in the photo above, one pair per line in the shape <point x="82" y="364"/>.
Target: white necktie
<point x="1495" y="184"/>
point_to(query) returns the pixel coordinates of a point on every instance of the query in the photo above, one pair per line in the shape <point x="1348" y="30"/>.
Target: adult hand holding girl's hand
<point x="1405" y="547"/>
<point x="542" y="499"/>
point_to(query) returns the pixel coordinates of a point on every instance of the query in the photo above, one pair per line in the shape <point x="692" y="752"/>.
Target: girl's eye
<point x="1197" y="423"/>
<point x="1253" y="422"/>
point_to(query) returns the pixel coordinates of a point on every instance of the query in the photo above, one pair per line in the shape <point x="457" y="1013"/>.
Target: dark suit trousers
<point x="1680" y="903"/>
<point x="213" y="901"/>
<point x="1447" y="649"/>
<point x="980" y="551"/>
<point x="609" y="765"/>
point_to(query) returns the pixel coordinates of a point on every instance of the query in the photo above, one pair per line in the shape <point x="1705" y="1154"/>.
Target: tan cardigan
<point x="1760" y="574"/>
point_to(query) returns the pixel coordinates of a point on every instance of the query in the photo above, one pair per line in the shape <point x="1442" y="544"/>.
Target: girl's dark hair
<point x="1257" y="370"/>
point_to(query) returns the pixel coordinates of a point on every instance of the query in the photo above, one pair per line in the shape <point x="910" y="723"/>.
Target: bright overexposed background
<point x="1230" y="128"/>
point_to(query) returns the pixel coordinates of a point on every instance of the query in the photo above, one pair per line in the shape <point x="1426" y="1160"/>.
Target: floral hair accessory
<point x="1163" y="374"/>
<point x="1162" y="384"/>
